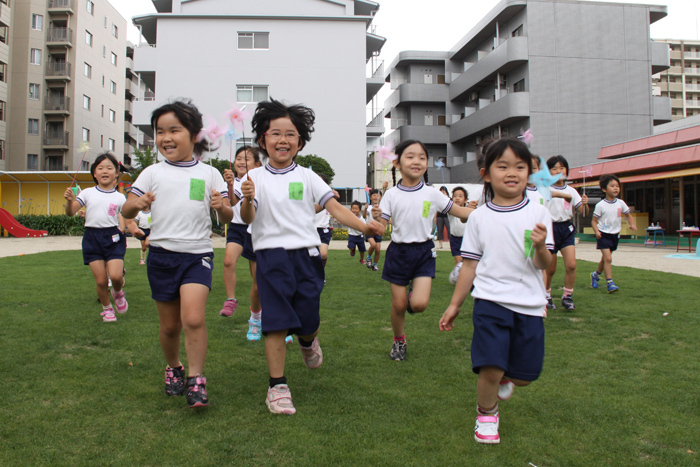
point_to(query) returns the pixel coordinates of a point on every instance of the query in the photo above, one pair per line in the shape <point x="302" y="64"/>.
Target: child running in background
<point x="180" y="191"/>
<point x="143" y="222"/>
<point x="564" y="232"/>
<point x="506" y="245"/>
<point x="355" y="238"/>
<point x="323" y="226"/>
<point x="607" y="224"/>
<point x="411" y="205"/>
<point x="375" y="241"/>
<point x="460" y="198"/>
<point x="239" y="243"/>
<point x="104" y="242"/>
<point x="279" y="204"/>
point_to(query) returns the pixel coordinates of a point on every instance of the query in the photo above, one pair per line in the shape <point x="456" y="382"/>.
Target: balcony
<point x="661" y="106"/>
<point x="63" y="7"/>
<point x="59" y="37"/>
<point x="692" y="103"/>
<point x="427" y="134"/>
<point x="60" y="71"/>
<point x="660" y="57"/>
<point x="56" y="140"/>
<point x="511" y="108"/>
<point x="503" y="59"/>
<point x="376" y="125"/>
<point x="692" y="71"/>
<point x="691" y="55"/>
<point x="375" y="80"/>
<point x="4" y="15"/>
<point x="145" y="59"/>
<point x="57" y="105"/>
<point x="409" y="93"/>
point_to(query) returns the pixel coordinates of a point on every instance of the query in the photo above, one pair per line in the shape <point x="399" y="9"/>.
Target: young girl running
<point x="279" y="204"/>
<point x="411" y="205"/>
<point x="180" y="191"/>
<point x="239" y="243"/>
<point x="506" y="244"/>
<point x="104" y="243"/>
<point x="562" y="212"/>
<point x="460" y="198"/>
<point x="375" y="241"/>
<point x="143" y="223"/>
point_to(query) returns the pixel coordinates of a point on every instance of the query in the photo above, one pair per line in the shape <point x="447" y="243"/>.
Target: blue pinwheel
<point x="439" y="164"/>
<point x="542" y="179"/>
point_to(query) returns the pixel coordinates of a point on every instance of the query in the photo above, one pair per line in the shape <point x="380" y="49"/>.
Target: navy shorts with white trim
<point x="103" y="244"/>
<point x="508" y="340"/>
<point x="607" y="241"/>
<point x="324" y="234"/>
<point x="406" y="261"/>
<point x="564" y="235"/>
<point x="456" y="245"/>
<point x="238" y="233"/>
<point x="169" y="270"/>
<point x="356" y="241"/>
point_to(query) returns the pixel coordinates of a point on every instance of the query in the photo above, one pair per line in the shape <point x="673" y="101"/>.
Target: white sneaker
<point x="505" y="389"/>
<point x="279" y="400"/>
<point x="454" y="275"/>
<point x="486" y="429"/>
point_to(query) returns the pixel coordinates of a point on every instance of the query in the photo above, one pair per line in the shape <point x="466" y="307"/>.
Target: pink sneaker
<point x="279" y="400"/>
<point x="120" y="301"/>
<point x="230" y="307"/>
<point x="108" y="315"/>
<point x="486" y="429"/>
<point x="313" y="356"/>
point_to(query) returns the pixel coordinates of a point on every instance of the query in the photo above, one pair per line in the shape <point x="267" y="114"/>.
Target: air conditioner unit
<point x="473" y="96"/>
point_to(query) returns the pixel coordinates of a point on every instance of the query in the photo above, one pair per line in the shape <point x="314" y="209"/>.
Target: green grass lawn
<point x="619" y="386"/>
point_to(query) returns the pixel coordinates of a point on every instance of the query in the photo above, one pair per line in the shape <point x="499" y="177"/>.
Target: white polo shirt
<point x="456" y="226"/>
<point x="143" y="219"/>
<point x="561" y="209"/>
<point x="412" y="210"/>
<point x="180" y="219"/>
<point x="323" y="219"/>
<point x="102" y="207"/>
<point x="498" y="237"/>
<point x="285" y="215"/>
<point x="609" y="215"/>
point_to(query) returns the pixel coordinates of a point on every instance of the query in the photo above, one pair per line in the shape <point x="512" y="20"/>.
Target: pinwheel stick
<point x="86" y="149"/>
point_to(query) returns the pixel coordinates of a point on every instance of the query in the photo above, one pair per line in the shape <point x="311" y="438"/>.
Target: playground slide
<point x="14" y="228"/>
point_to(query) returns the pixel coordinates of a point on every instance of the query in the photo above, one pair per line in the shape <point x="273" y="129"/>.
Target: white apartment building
<point x="64" y="75"/>
<point x="681" y="82"/>
<point x="224" y="53"/>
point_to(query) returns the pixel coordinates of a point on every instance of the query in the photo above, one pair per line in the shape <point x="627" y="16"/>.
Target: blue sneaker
<point x="594" y="280"/>
<point x="612" y="287"/>
<point x="253" y="330"/>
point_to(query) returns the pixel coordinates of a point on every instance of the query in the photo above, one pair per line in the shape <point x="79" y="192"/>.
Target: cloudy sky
<point x="439" y="24"/>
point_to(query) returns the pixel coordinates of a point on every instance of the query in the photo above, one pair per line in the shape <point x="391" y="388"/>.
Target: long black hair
<point x="400" y="149"/>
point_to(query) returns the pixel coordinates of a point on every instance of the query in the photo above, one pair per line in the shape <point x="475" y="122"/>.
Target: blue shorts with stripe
<point x="404" y="262"/>
<point x="169" y="270"/>
<point x="103" y="244"/>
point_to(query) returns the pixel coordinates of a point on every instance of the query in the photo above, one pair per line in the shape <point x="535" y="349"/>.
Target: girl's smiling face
<point x="106" y="174"/>
<point x="174" y="141"/>
<point x="281" y="141"/>
<point x="244" y="161"/>
<point x="508" y="177"/>
<point x="412" y="163"/>
<point x="559" y="169"/>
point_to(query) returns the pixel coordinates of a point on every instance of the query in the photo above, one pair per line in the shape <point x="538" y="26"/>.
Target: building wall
<point x="681" y="82"/>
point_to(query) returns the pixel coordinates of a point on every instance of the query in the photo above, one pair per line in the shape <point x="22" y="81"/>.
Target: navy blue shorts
<point x="168" y="270"/>
<point x="103" y="244"/>
<point x="290" y="284"/>
<point x="238" y="233"/>
<point x="324" y="234"/>
<point x="376" y="238"/>
<point x="456" y="245"/>
<point x="356" y="241"/>
<point x="607" y="241"/>
<point x="508" y="340"/>
<point x="146" y="233"/>
<point x="564" y="235"/>
<point x="404" y="262"/>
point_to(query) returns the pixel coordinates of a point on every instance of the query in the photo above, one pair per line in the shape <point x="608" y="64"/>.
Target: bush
<point x="53" y="224"/>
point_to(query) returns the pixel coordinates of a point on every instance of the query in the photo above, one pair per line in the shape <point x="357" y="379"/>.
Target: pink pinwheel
<point x="527" y="137"/>
<point x="212" y="132"/>
<point x="386" y="152"/>
<point x="238" y="116"/>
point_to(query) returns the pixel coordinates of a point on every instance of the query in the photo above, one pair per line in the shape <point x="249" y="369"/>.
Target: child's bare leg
<point x="458" y="260"/>
<point x="551" y="270"/>
<point x="193" y="300"/>
<point x="606" y="263"/>
<point x="100" y="273"/>
<point x="377" y="252"/>
<point x="487" y="387"/>
<point x="254" y="297"/>
<point x="370" y="250"/>
<point x="399" y="302"/>
<point x="569" y="255"/>
<point x="276" y="352"/>
<point x="115" y="269"/>
<point x="324" y="253"/>
<point x="233" y="252"/>
<point x="421" y="293"/>
<point x="169" y="332"/>
<point x="309" y="337"/>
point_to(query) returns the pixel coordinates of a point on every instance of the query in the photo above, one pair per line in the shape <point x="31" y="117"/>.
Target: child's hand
<point x="633" y="227"/>
<point x="376" y="213"/>
<point x="68" y="194"/>
<point x="144" y="202"/>
<point x="229" y="177"/>
<point x="336" y="195"/>
<point x="584" y="200"/>
<point x="598" y="235"/>
<point x="138" y="233"/>
<point x="472" y="204"/>
<point x="539" y="234"/>
<point x="217" y="200"/>
<point x="248" y="190"/>
<point x="374" y="228"/>
<point x="447" y="322"/>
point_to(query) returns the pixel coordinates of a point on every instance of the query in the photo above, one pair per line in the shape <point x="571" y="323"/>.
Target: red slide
<point x="14" y="228"/>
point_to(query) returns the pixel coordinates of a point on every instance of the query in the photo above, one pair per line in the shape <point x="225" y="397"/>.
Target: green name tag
<point x="426" y="209"/>
<point x="197" y="189"/>
<point x="529" y="252"/>
<point x="542" y="201"/>
<point x="296" y="190"/>
<point x="149" y="219"/>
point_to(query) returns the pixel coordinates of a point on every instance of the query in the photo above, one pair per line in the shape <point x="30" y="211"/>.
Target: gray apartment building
<point x="681" y="82"/>
<point x="221" y="53"/>
<point x="578" y="74"/>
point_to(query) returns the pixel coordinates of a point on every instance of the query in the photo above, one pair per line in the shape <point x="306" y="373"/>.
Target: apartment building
<point x="681" y="82"/>
<point x="62" y="63"/>
<point x="134" y="89"/>
<point x="315" y="52"/>
<point x="578" y="74"/>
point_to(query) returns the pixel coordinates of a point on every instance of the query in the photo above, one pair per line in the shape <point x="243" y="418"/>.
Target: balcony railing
<point x="58" y="68"/>
<point x="690" y="103"/>
<point x="691" y="54"/>
<point x="68" y="4"/>
<point x="692" y="71"/>
<point x="59" y="35"/>
<point x="59" y="103"/>
<point x="378" y="71"/>
<point x="55" y="138"/>
<point x="692" y="87"/>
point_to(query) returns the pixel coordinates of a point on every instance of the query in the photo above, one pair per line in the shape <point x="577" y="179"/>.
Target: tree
<point x="317" y="164"/>
<point x="142" y="159"/>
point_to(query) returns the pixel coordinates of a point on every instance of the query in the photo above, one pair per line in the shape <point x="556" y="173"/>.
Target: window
<point x="253" y="40"/>
<point x="88" y="70"/>
<point x="113" y="87"/>
<point x="88" y="38"/>
<point x="3" y="72"/>
<point x="518" y="31"/>
<point x="2" y="149"/>
<point x="114" y="59"/>
<point x="37" y="22"/>
<point x="86" y="134"/>
<point x="86" y="102"/>
<point x="84" y="166"/>
<point x="249" y="93"/>
<point x="35" y="57"/>
<point x="2" y="111"/>
<point x="519" y="86"/>
<point x="54" y="162"/>
<point x="115" y="30"/>
<point x="90" y="5"/>
<point x="32" y="161"/>
<point x="33" y="126"/>
<point x="111" y="144"/>
<point x="112" y="115"/>
<point x="34" y="91"/>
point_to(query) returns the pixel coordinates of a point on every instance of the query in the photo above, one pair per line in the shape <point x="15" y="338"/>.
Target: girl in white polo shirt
<point x="506" y="245"/>
<point x="410" y="259"/>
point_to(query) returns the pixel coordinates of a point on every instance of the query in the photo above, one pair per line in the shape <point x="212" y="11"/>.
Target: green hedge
<point x="53" y="224"/>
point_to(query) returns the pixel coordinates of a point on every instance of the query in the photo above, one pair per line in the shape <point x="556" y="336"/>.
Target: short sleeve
<point x="625" y="208"/>
<point x="471" y="246"/>
<point x="546" y="219"/>
<point x="385" y="205"/>
<point x="82" y="198"/>
<point x="442" y="203"/>
<point x="575" y="198"/>
<point x="320" y="191"/>
<point x="598" y="211"/>
<point x="219" y="183"/>
<point x="143" y="183"/>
